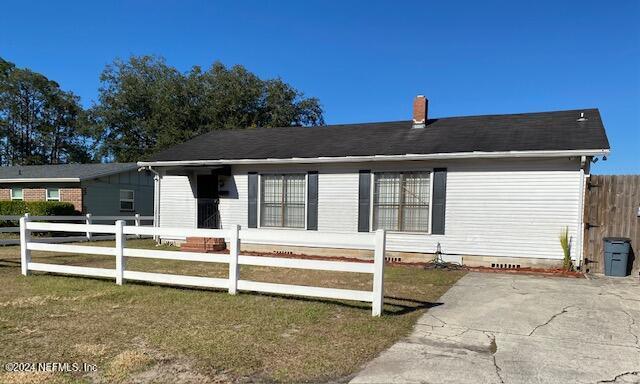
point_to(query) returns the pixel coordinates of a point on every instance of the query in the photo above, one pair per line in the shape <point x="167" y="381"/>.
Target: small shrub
<point x="50" y="208"/>
<point x="35" y="208"/>
<point x="565" y="243"/>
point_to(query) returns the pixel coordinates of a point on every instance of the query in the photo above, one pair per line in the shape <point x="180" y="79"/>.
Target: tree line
<point x="144" y="105"/>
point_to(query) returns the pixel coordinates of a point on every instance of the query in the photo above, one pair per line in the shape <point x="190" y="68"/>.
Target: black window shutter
<point x="253" y="200"/>
<point x="439" y="200"/>
<point x="364" y="200"/>
<point x="312" y="200"/>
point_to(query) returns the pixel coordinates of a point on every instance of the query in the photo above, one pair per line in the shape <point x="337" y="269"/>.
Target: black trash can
<point x="616" y="256"/>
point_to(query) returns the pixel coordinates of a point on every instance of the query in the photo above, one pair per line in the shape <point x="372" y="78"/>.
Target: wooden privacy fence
<point x="234" y="259"/>
<point x="136" y="219"/>
<point x="611" y="210"/>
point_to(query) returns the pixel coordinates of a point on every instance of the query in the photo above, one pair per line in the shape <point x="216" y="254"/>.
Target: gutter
<point x="42" y="180"/>
<point x="156" y="198"/>
<point x="355" y="159"/>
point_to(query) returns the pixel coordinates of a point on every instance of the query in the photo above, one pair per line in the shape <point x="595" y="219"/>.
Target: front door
<point x="208" y="215"/>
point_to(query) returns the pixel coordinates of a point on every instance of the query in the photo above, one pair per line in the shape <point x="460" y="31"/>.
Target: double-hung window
<point x="401" y="201"/>
<point x="127" y="198"/>
<point x="53" y="194"/>
<point x="282" y="200"/>
<point x="16" y="193"/>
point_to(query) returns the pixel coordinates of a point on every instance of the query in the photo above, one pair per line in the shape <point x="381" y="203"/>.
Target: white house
<point x="482" y="190"/>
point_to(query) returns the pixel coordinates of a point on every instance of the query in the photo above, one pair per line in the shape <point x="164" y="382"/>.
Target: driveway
<point x="503" y="328"/>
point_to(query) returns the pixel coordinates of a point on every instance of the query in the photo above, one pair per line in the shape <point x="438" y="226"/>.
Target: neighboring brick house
<point x="99" y="189"/>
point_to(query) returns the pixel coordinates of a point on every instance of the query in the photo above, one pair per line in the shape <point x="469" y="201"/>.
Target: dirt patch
<point x="530" y="271"/>
<point x="126" y="363"/>
<point x="177" y="372"/>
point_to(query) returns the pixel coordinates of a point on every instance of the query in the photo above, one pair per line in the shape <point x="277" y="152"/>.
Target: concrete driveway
<point x="502" y="328"/>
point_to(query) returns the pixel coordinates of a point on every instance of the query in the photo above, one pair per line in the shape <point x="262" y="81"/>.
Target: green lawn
<point x="160" y="334"/>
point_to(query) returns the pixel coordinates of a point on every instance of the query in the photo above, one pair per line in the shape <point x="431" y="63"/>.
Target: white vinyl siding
<point x="177" y="204"/>
<point x="500" y="207"/>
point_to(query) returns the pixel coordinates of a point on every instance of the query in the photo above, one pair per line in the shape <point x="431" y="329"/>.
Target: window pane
<point x="16" y="193"/>
<point x="387" y="188"/>
<point x="415" y="210"/>
<point x="401" y="201"/>
<point x="126" y="205"/>
<point x="282" y="201"/>
<point x="416" y="188"/>
<point x="271" y="209"/>
<point x="294" y="201"/>
<point x="386" y="217"/>
<point x="53" y="194"/>
<point x="415" y="219"/>
<point x="126" y="194"/>
<point x="386" y="199"/>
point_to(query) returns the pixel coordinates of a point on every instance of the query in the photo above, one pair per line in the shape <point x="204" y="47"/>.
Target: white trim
<point x="431" y="200"/>
<point x="306" y="198"/>
<point x="193" y="178"/>
<point x="354" y="159"/>
<point x="14" y="198"/>
<point x="259" y="199"/>
<point x="372" y="185"/>
<point x="42" y="180"/>
<point x="46" y="194"/>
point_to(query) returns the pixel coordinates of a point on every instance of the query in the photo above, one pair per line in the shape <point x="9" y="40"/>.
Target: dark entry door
<point x="208" y="215"/>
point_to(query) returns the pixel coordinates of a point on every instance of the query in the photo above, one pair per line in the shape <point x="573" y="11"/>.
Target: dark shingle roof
<point x="64" y="171"/>
<point x="491" y="133"/>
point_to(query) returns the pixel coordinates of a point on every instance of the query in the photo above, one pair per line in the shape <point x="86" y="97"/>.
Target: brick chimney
<point x="420" y="108"/>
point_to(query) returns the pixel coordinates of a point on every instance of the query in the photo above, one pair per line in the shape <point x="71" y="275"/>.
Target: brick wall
<point x="34" y="194"/>
<point x="72" y="195"/>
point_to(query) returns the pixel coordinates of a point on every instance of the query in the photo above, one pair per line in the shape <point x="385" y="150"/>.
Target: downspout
<point x="156" y="200"/>
<point x="581" y="207"/>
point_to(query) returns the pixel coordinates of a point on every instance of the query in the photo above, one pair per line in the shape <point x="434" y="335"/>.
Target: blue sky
<point x="365" y="60"/>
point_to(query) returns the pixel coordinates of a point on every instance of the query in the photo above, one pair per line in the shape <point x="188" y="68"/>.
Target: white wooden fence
<point x="234" y="237"/>
<point x="137" y="219"/>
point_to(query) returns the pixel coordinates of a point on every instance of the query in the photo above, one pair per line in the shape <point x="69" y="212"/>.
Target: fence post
<point x="234" y="251"/>
<point x="120" y="261"/>
<point x="88" y="222"/>
<point x="138" y="223"/>
<point x="25" y="237"/>
<point x="378" y="273"/>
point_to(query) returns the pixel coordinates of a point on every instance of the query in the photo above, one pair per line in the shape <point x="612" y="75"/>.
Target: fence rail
<point x="87" y="219"/>
<point x="234" y="236"/>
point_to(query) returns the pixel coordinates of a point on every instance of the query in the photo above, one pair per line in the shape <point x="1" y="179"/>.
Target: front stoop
<point x="203" y="244"/>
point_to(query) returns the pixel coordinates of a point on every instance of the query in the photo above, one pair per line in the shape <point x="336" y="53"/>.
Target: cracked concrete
<point x="502" y="328"/>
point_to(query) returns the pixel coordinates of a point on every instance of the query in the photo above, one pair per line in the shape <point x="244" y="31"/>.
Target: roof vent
<point x="582" y="118"/>
<point x="420" y="108"/>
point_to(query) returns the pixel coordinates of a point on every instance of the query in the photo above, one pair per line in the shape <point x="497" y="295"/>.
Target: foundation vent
<point x="505" y="266"/>
<point x="283" y="252"/>
<point x="393" y="259"/>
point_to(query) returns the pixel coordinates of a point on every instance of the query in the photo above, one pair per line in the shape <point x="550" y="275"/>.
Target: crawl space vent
<point x="505" y="266"/>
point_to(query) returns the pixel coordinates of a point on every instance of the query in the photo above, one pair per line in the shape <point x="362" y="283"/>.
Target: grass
<point x="151" y="333"/>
